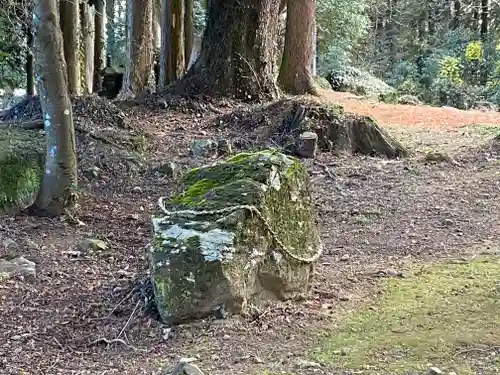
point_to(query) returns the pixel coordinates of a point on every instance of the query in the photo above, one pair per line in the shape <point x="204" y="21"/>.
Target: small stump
<point x="240" y="232"/>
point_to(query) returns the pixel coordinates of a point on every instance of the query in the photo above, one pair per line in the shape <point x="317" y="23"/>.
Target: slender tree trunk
<point x="157" y="24"/>
<point x="87" y="46"/>
<point x="98" y="44"/>
<point x="165" y="50"/>
<point x="188" y="30"/>
<point x="484" y="39"/>
<point x="69" y="11"/>
<point x="139" y="65"/>
<point x="457" y="14"/>
<point x="295" y="74"/>
<point x="177" y="41"/>
<point x="110" y="31"/>
<point x="30" y="81"/>
<point x="238" y="51"/>
<point x="57" y="194"/>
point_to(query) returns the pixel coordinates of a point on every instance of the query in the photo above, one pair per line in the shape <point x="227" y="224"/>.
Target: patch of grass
<point x="446" y="316"/>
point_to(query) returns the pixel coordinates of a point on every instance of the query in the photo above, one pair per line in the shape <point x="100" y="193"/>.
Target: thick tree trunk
<point x="30" y="81"/>
<point x="110" y="31"/>
<point x="57" y="192"/>
<point x="87" y="46"/>
<point x="69" y="12"/>
<point x="139" y="65"/>
<point x="98" y="44"/>
<point x="177" y="40"/>
<point x="188" y="30"/>
<point x="238" y="51"/>
<point x="295" y="74"/>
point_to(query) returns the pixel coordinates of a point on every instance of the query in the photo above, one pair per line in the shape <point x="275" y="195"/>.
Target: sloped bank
<point x="21" y="168"/>
<point x="240" y="232"/>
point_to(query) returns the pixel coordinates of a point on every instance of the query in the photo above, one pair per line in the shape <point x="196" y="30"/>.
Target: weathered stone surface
<point x="17" y="266"/>
<point x="241" y="231"/>
<point x="307" y="145"/>
<point x="202" y="147"/>
<point x="21" y="168"/>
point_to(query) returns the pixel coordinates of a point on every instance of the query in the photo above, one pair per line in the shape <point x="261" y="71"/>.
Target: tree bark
<point x="57" y="194"/>
<point x="238" y="51"/>
<point x="177" y="40"/>
<point x="139" y="65"/>
<point x="30" y="80"/>
<point x="295" y="74"/>
<point x="98" y="44"/>
<point x="110" y="31"/>
<point x="69" y="11"/>
<point x="87" y="46"/>
<point x="484" y="39"/>
<point x="188" y="30"/>
<point x="157" y="24"/>
<point x="165" y="49"/>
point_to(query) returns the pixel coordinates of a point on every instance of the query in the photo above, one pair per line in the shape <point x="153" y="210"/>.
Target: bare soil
<point x="89" y="312"/>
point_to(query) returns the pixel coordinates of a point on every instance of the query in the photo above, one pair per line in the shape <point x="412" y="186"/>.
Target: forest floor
<point x="409" y="278"/>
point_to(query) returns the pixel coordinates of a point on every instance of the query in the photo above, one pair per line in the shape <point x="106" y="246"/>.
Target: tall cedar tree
<point x="98" y="43"/>
<point x="295" y="74"/>
<point x="57" y="194"/>
<point x="69" y="15"/>
<point x="238" y="51"/>
<point x="139" y="65"/>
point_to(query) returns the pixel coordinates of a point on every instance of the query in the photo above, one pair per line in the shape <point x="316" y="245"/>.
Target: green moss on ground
<point x="21" y="168"/>
<point x="446" y="316"/>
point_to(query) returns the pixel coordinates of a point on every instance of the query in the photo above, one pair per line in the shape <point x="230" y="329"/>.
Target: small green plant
<point x="474" y="51"/>
<point x="449" y="68"/>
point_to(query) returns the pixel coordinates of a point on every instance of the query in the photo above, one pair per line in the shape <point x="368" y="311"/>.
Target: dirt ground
<point x="85" y="313"/>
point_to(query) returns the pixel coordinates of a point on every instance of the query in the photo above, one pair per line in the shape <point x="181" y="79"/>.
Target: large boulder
<point x="359" y="82"/>
<point x="21" y="168"/>
<point x="239" y="232"/>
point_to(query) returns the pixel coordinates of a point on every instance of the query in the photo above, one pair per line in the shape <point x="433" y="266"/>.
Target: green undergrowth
<point x="444" y="315"/>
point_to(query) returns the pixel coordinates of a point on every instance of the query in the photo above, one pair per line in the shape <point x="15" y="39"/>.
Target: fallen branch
<point x="110" y="342"/>
<point x="35" y="124"/>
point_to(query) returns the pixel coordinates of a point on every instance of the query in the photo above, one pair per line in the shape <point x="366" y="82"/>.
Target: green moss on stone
<point x="222" y="258"/>
<point x="21" y="168"/>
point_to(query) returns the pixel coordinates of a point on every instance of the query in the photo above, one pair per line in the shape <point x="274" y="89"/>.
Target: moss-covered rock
<point x="239" y="232"/>
<point x="21" y="168"/>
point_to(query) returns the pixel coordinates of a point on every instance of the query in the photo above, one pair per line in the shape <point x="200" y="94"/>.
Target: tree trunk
<point x="457" y="14"/>
<point x="188" y="30"/>
<point x="87" y="46"/>
<point x="110" y="31"/>
<point x="157" y="24"/>
<point x="98" y="44"/>
<point x="177" y="40"/>
<point x="30" y="81"/>
<point x="69" y="11"/>
<point x="139" y="65"/>
<point x="238" y="51"/>
<point x="165" y="49"/>
<point x="295" y="74"/>
<point x="484" y="39"/>
<point x="57" y="192"/>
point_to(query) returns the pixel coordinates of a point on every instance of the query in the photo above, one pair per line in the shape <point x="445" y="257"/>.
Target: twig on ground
<point x="110" y="342"/>
<point x="476" y="350"/>
<point x="129" y="319"/>
<point x="118" y="305"/>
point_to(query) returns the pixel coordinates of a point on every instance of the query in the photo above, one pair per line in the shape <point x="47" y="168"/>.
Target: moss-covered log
<point x="239" y="232"/>
<point x="21" y="168"/>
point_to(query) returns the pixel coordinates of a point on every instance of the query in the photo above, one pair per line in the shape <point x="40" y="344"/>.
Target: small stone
<point x="224" y="147"/>
<point x="452" y="373"/>
<point x="307" y="364"/>
<point x="202" y="147"/>
<point x="20" y="266"/>
<point x="307" y="145"/>
<point x="344" y="258"/>
<point x="448" y="222"/>
<point x="137" y="189"/>
<point x="169" y="169"/>
<point x="435" y="371"/>
<point x="258" y="360"/>
<point x="92" y="244"/>
<point x="8" y="242"/>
